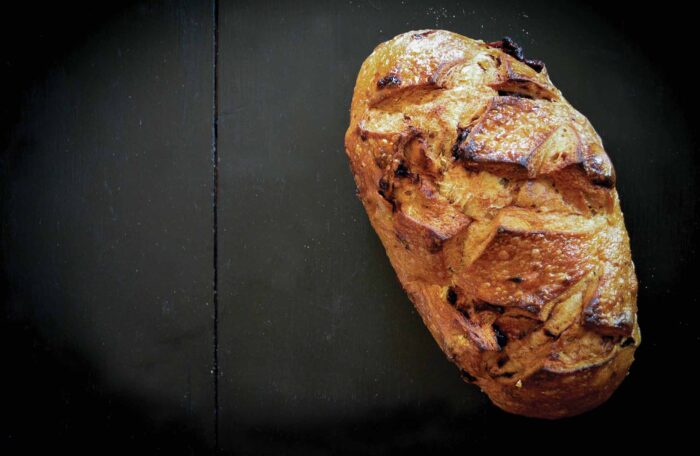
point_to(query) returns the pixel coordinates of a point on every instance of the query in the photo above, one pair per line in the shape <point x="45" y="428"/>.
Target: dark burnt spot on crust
<point x="452" y="296"/>
<point x="467" y="376"/>
<point x="502" y="361"/>
<point x="420" y="36"/>
<point x="481" y="306"/>
<point x="506" y="93"/>
<point x="524" y="160"/>
<point x="510" y="47"/>
<point x="504" y="375"/>
<point x="597" y="173"/>
<point x="596" y="319"/>
<point x="605" y="182"/>
<point x="513" y="49"/>
<point x="402" y="171"/>
<point x="516" y="279"/>
<point x="627" y="342"/>
<point x="462" y="134"/>
<point x="467" y="152"/>
<point x="386" y="194"/>
<point x="390" y="80"/>
<point x="389" y="199"/>
<point x="589" y="314"/>
<point x="548" y="333"/>
<point x="501" y="337"/>
<point x="435" y="245"/>
<point x="535" y="64"/>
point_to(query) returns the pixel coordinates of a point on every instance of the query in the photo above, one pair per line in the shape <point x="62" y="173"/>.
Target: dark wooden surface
<point x="185" y="266"/>
<point x="107" y="236"/>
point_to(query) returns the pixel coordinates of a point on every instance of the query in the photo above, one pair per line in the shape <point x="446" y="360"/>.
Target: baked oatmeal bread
<point x="496" y="204"/>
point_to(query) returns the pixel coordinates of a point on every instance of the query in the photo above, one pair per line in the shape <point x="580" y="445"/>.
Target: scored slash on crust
<point x="496" y="203"/>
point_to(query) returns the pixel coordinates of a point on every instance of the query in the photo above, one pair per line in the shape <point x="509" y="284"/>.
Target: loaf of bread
<point x="496" y="204"/>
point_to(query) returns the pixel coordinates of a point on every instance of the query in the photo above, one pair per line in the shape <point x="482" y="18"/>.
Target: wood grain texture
<point x="319" y="348"/>
<point x="299" y="271"/>
<point x="107" y="233"/>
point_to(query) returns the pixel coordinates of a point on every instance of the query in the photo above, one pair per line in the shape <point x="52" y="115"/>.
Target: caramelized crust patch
<point x="526" y="267"/>
<point x="496" y="203"/>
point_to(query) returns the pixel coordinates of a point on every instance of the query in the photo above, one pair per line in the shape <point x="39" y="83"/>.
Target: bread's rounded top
<point x="503" y="110"/>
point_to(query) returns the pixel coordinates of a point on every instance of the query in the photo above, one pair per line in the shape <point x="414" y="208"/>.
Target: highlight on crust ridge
<point x="496" y="204"/>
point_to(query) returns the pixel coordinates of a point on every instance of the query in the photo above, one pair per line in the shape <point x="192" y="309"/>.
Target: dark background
<point x="184" y="266"/>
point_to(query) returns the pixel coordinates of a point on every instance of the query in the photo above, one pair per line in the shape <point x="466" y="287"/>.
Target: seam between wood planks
<point x="215" y="209"/>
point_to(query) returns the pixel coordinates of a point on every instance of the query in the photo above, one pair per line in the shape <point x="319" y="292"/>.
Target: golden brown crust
<point x="496" y="204"/>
